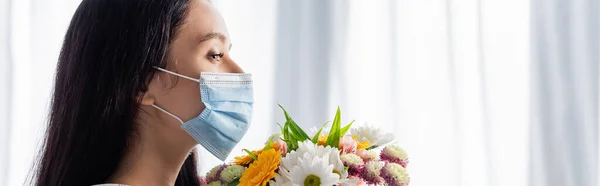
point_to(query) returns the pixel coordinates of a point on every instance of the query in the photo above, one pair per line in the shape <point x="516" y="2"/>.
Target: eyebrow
<point x="214" y="35"/>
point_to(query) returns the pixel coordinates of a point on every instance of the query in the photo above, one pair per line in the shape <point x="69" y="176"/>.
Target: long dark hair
<point x="104" y="66"/>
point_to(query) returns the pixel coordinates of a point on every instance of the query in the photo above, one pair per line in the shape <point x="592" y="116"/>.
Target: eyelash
<point x="216" y="56"/>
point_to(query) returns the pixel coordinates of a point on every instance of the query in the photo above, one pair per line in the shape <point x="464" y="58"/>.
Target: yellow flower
<point x="361" y="145"/>
<point x="322" y="140"/>
<point x="246" y="160"/>
<point x="261" y="170"/>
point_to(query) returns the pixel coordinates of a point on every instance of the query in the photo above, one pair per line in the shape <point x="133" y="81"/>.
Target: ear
<point x="148" y="98"/>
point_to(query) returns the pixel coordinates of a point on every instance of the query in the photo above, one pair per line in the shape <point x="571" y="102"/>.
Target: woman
<point x="139" y="83"/>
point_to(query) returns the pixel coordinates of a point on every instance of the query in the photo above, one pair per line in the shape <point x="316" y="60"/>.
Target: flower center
<point x="338" y="173"/>
<point x="312" y="180"/>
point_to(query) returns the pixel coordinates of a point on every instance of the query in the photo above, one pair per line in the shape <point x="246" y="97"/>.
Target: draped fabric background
<point x="479" y="92"/>
<point x="450" y="78"/>
<point x="564" y="137"/>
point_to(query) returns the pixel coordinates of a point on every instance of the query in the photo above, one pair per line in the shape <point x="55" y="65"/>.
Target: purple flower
<point x="395" y="175"/>
<point x="372" y="172"/>
<point x="215" y="173"/>
<point x="394" y="154"/>
<point x="354" y="163"/>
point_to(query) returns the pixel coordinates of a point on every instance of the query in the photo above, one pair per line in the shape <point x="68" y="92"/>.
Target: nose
<point x="230" y="66"/>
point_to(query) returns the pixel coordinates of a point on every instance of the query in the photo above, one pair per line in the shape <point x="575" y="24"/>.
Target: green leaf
<point x="298" y="132"/>
<point x="293" y="140"/>
<point x="285" y="132"/>
<point x="234" y="182"/>
<point x="250" y="154"/>
<point x="269" y="144"/>
<point x="287" y="117"/>
<point x="280" y="128"/>
<point x="315" y="138"/>
<point x="333" y="139"/>
<point x="295" y="129"/>
<point x="288" y="138"/>
<point x="346" y="128"/>
<point x="292" y="132"/>
<point x="372" y="147"/>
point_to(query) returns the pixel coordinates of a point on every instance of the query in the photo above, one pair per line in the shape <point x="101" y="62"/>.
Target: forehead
<point x="202" y="18"/>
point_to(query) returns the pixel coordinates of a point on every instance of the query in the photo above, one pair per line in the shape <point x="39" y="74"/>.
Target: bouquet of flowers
<point x="336" y="155"/>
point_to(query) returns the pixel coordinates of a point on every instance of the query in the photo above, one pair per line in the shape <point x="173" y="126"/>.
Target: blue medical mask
<point x="228" y="99"/>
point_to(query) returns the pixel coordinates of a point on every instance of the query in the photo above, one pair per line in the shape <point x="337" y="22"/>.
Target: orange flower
<point x="322" y="140"/>
<point x="262" y="170"/>
<point x="277" y="146"/>
<point x="361" y="145"/>
<point x="245" y="160"/>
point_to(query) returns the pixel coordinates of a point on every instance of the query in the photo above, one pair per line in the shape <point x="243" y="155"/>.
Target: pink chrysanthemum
<point x="215" y="173"/>
<point x="202" y="181"/>
<point x="282" y="147"/>
<point x="347" y="145"/>
<point x="395" y="175"/>
<point x="394" y="154"/>
<point x="372" y="172"/>
<point x="359" y="181"/>
<point x="368" y="155"/>
<point x="354" y="163"/>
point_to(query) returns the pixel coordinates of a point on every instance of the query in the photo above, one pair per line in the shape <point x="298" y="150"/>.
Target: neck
<point x="155" y="158"/>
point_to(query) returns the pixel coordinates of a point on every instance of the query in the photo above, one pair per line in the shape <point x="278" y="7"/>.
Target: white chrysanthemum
<point x="231" y="173"/>
<point x="349" y="182"/>
<point x="313" y="171"/>
<point x="282" y="178"/>
<point x="394" y="154"/>
<point x="395" y="175"/>
<point x="338" y="165"/>
<point x="214" y="171"/>
<point x="374" y="135"/>
<point x="373" y="172"/>
<point x="307" y="147"/>
<point x="395" y="151"/>
<point x="352" y="159"/>
<point x="374" y="167"/>
<point x="373" y="155"/>
<point x="313" y="130"/>
<point x="215" y="183"/>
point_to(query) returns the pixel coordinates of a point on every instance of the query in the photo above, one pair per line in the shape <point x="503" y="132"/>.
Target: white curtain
<point x="564" y="137"/>
<point x="455" y="80"/>
<point x="449" y="78"/>
<point x="32" y="32"/>
<point x="5" y="82"/>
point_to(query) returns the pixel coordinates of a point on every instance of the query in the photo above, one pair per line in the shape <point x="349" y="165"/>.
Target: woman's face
<point x="201" y="45"/>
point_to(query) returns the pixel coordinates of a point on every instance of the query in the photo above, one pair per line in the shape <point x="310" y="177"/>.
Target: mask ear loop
<point x="168" y="113"/>
<point x="179" y="75"/>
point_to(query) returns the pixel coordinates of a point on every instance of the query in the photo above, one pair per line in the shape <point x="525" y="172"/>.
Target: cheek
<point x="185" y="99"/>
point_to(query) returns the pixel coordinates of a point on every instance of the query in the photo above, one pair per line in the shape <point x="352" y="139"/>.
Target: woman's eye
<point x="216" y="56"/>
